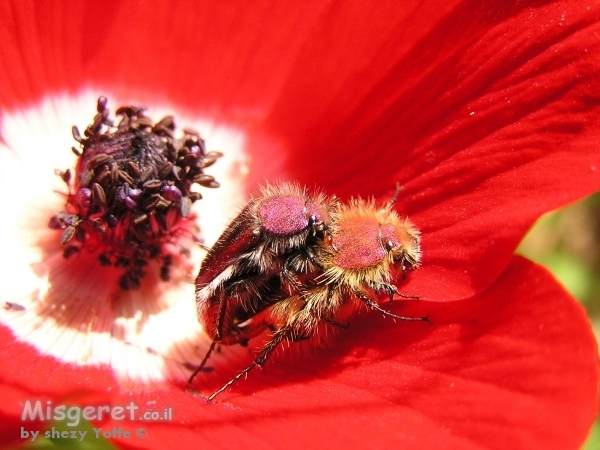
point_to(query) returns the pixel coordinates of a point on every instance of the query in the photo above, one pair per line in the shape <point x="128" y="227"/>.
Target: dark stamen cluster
<point x="131" y="190"/>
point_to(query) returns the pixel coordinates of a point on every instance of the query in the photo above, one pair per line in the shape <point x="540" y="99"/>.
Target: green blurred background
<point x="568" y="243"/>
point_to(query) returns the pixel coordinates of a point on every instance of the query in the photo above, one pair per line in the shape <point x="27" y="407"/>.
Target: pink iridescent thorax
<point x="287" y="215"/>
<point x="358" y="243"/>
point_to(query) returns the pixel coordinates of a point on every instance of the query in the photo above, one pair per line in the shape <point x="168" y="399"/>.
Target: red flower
<point x="486" y="114"/>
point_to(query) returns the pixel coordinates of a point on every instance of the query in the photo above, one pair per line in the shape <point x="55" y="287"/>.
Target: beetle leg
<point x="291" y="277"/>
<point x="390" y="290"/>
<point x="278" y="337"/>
<point x="373" y="305"/>
<point x="217" y="338"/>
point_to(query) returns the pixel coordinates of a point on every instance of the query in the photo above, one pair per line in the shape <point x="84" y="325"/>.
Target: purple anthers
<point x="171" y="193"/>
<point x="131" y="189"/>
<point x="83" y="197"/>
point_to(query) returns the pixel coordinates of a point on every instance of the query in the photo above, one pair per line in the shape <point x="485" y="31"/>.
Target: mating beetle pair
<point x="296" y="263"/>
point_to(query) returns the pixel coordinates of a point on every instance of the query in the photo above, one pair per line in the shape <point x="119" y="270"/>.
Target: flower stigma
<point x="131" y="191"/>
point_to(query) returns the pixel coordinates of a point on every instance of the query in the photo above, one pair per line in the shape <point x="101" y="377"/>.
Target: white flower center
<point x="73" y="309"/>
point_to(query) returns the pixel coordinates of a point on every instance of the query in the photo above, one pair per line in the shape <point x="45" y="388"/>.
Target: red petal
<point x="28" y="368"/>
<point x="363" y="97"/>
<point x="487" y="114"/>
<point x="513" y="367"/>
<point x="26" y="375"/>
<point x="487" y="120"/>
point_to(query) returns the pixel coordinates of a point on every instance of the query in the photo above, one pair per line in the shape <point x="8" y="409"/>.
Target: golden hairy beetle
<point x="368" y="248"/>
